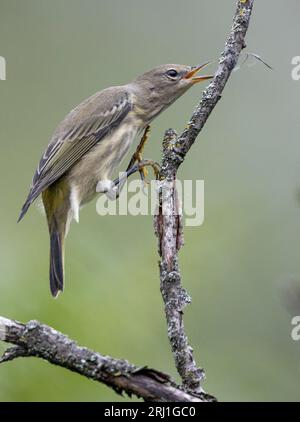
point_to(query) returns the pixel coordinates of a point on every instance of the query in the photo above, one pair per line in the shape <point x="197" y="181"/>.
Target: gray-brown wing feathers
<point x="80" y="131"/>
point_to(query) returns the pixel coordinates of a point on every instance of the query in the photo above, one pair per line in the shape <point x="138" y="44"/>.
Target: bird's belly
<point x="100" y="162"/>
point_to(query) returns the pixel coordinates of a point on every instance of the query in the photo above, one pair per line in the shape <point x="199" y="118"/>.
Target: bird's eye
<point x="172" y="73"/>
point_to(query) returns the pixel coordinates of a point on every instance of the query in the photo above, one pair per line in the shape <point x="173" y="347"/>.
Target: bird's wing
<point x="80" y="131"/>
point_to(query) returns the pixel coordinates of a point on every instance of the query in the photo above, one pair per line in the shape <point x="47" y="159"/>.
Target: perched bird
<point x="90" y="143"/>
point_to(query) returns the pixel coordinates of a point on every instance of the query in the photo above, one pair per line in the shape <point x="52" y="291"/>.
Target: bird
<point x="90" y="143"/>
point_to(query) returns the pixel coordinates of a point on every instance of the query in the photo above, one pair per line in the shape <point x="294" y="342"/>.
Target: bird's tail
<point x="57" y="236"/>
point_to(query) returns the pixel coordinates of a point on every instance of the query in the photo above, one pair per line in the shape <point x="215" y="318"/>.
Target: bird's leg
<point x="145" y="163"/>
<point x="136" y="164"/>
<point x="137" y="156"/>
<point x="120" y="181"/>
<point x="137" y="167"/>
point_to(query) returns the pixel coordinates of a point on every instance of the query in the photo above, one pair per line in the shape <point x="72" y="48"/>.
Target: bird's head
<point x="162" y="85"/>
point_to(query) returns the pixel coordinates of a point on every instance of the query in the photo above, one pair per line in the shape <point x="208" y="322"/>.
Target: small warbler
<point x="90" y="143"/>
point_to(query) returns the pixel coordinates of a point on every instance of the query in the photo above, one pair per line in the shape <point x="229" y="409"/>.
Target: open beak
<point x="196" y="69"/>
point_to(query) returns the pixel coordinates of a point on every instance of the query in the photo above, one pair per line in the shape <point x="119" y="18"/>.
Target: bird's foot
<point x="138" y="167"/>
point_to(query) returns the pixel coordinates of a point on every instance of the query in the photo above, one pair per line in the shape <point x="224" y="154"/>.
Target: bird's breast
<point x="101" y="161"/>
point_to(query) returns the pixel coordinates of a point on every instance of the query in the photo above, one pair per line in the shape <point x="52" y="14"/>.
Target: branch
<point x="168" y="221"/>
<point x="38" y="340"/>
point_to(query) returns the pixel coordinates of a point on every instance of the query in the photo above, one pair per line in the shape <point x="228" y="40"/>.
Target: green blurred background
<point x="234" y="265"/>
